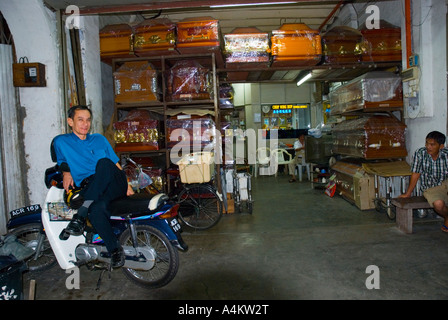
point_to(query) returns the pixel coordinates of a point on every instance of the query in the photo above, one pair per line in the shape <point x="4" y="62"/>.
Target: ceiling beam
<point x="155" y="6"/>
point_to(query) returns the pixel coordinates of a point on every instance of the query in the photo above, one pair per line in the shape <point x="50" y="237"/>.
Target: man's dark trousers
<point x="107" y="184"/>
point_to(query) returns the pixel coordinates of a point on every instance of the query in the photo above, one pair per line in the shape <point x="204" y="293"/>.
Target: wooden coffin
<point x="200" y="35"/>
<point x="247" y="45"/>
<point x="187" y="81"/>
<point x="198" y="32"/>
<point x="354" y="184"/>
<point x="370" y="137"/>
<point x="135" y="82"/>
<point x="136" y="132"/>
<point x="116" y="41"/>
<point x="382" y="44"/>
<point x="190" y="131"/>
<point x="342" y="45"/>
<point x="296" y="44"/>
<point x="155" y="37"/>
<point x="373" y="91"/>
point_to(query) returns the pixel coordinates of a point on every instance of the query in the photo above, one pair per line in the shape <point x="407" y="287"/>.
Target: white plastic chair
<point x="263" y="161"/>
<point x="282" y="157"/>
<point x="300" y="168"/>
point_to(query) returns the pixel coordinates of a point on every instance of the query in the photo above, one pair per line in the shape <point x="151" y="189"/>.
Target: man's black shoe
<point x="117" y="259"/>
<point x="76" y="226"/>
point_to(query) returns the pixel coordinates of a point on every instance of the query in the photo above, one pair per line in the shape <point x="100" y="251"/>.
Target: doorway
<point x="12" y="193"/>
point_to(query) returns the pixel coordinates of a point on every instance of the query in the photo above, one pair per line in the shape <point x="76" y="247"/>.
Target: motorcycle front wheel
<point x="167" y="258"/>
<point x="30" y="235"/>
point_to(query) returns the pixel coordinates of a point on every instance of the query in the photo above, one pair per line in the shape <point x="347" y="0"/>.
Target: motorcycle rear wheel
<point x="200" y="206"/>
<point x="167" y="260"/>
<point x="28" y="235"/>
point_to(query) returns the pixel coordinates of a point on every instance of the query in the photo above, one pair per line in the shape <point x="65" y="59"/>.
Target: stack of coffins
<point x="295" y="44"/>
<point x="375" y="91"/>
<point x="342" y="45"/>
<point x="188" y="80"/>
<point x="136" y="82"/>
<point x="383" y="44"/>
<point x="136" y="132"/>
<point x="247" y="45"/>
<point x="370" y="137"/>
<point x="155" y="37"/>
<point x="116" y="41"/>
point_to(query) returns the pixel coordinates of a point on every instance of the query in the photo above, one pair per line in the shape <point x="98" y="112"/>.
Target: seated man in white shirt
<point x="299" y="148"/>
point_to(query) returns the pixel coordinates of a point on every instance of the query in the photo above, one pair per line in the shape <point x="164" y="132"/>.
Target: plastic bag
<point x="10" y="245"/>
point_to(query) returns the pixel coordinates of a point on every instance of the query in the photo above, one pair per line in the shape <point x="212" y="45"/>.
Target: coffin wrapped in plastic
<point x="116" y="41"/>
<point x="136" y="81"/>
<point x="370" y="137"/>
<point x="198" y="32"/>
<point x="383" y="44"/>
<point x="136" y="132"/>
<point x="342" y="45"/>
<point x="375" y="91"/>
<point x="188" y="80"/>
<point x="296" y="44"/>
<point x="155" y="37"/>
<point x="247" y="45"/>
<point x="190" y="131"/>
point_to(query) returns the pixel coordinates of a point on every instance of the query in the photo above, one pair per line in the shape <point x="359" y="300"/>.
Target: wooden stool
<point x="404" y="208"/>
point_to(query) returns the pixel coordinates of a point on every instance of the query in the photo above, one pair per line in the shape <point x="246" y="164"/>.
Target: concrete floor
<point x="298" y="244"/>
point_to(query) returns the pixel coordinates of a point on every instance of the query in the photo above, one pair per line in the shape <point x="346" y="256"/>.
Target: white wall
<point x="34" y="31"/>
<point x="429" y="42"/>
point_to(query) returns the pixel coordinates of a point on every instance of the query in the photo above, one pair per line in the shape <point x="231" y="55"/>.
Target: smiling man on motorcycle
<point x="88" y="161"/>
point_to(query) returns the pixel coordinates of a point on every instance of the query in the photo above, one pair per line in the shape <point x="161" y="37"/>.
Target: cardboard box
<point x="364" y="191"/>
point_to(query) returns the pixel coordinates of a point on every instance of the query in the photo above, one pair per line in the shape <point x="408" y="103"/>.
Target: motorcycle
<point x="146" y="226"/>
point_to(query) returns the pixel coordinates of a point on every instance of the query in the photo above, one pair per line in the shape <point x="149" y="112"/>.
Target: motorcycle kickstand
<point x="109" y="272"/>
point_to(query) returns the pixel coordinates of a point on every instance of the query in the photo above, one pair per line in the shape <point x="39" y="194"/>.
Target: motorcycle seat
<point x="137" y="204"/>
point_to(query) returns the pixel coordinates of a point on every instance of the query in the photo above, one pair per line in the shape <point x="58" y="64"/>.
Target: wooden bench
<point x="404" y="207"/>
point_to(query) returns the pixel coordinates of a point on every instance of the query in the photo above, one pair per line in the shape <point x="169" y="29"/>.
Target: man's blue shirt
<point x="82" y="155"/>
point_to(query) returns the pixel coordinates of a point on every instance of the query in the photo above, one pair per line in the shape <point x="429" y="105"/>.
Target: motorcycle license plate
<point x="25" y="211"/>
<point x="174" y="224"/>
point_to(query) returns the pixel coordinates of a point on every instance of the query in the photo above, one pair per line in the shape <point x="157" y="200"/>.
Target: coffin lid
<point x="155" y="24"/>
<point x="116" y="30"/>
<point x="246" y="30"/>
<point x="342" y="32"/>
<point x="374" y="123"/>
<point x="383" y="25"/>
<point x="135" y="66"/>
<point x="198" y="19"/>
<point x="136" y="118"/>
<point x="294" y="28"/>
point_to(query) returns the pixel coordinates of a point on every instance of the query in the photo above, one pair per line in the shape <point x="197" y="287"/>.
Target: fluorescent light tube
<point x="251" y="4"/>
<point x="309" y="75"/>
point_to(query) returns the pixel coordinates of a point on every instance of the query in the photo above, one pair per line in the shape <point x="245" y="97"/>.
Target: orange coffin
<point x="135" y="81"/>
<point x="296" y="43"/>
<point x="155" y="37"/>
<point x="198" y="32"/>
<point x="116" y="41"/>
